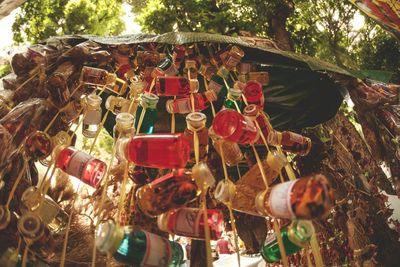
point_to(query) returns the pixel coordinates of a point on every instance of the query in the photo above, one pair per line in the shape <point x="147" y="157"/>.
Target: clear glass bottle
<point x="164" y="151"/>
<point x="149" y="102"/>
<point x="123" y="126"/>
<point x="196" y="121"/>
<point x="172" y="86"/>
<point x="184" y="105"/>
<point x="92" y="116"/>
<point x="291" y="142"/>
<point x="256" y="114"/>
<point x="234" y="95"/>
<point x="305" y="198"/>
<point x="295" y="236"/>
<point x="47" y="209"/>
<point x="32" y="229"/>
<point x="137" y="247"/>
<point x="38" y="145"/>
<point x="80" y="165"/>
<point x="189" y="222"/>
<point x="234" y="127"/>
<point x="202" y="175"/>
<point x="96" y="76"/>
<point x="232" y="153"/>
<point x="171" y="191"/>
<point x="253" y="92"/>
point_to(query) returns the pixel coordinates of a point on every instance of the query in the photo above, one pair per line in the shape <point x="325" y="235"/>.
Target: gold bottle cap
<point x="196" y="120"/>
<point x="202" y="174"/>
<point x="276" y="161"/>
<point x="109" y="237"/>
<point x="225" y="191"/>
<point x="93" y="101"/>
<point x="251" y="111"/>
<point x="194" y="85"/>
<point x="234" y="93"/>
<point x="61" y="138"/>
<point x="149" y="100"/>
<point x="124" y="120"/>
<point x="31" y="226"/>
<point x="259" y="202"/>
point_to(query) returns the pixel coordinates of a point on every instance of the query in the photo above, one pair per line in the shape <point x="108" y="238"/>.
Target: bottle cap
<point x="169" y="106"/>
<point x="165" y="64"/>
<point x="61" y="138"/>
<point x="196" y="120"/>
<point x="149" y="100"/>
<point x="276" y="161"/>
<point x="109" y="237"/>
<point x="136" y="88"/>
<point x="31" y="226"/>
<point x="202" y="174"/>
<point x="190" y="64"/>
<point x="124" y="120"/>
<point x="93" y="100"/>
<point x="274" y="138"/>
<point x="30" y="199"/>
<point x="110" y="102"/>
<point x="194" y="85"/>
<point x="225" y="191"/>
<point x="111" y="78"/>
<point x="223" y="72"/>
<point x="300" y="232"/>
<point x="251" y="111"/>
<point x="162" y="222"/>
<point x="234" y="93"/>
<point x="5" y="217"/>
<point x="236" y="50"/>
<point x="259" y="202"/>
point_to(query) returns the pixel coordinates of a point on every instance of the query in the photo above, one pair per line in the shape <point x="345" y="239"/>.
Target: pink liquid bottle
<point x="80" y="165"/>
<point x="172" y="86"/>
<point x="189" y="222"/>
<point x="253" y="92"/>
<point x="184" y="105"/>
<point x="256" y="114"/>
<point x="234" y="127"/>
<point x="164" y="151"/>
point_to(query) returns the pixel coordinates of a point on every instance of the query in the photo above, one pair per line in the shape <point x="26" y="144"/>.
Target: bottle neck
<point x="149" y="100"/>
<point x="275" y="138"/>
<point x="196" y="121"/>
<point x="259" y="202"/>
<point x="124" y="121"/>
<point x="93" y="101"/>
<point x="225" y="191"/>
<point x="300" y="232"/>
<point x="276" y="161"/>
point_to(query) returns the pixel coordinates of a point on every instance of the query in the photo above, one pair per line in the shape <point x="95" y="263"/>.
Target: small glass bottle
<point x="172" y="86"/>
<point x="48" y="210"/>
<point x="164" y="151"/>
<point x="189" y="222"/>
<point x="184" y="105"/>
<point x="57" y="84"/>
<point x="207" y="71"/>
<point x="234" y="127"/>
<point x="123" y="126"/>
<point x="165" y="68"/>
<point x="295" y="236"/>
<point x="244" y="69"/>
<point x="291" y="142"/>
<point x="137" y="247"/>
<point x="256" y="114"/>
<point x="171" y="191"/>
<point x="202" y="175"/>
<point x="232" y="153"/>
<point x="305" y="198"/>
<point x="96" y="76"/>
<point x="233" y="57"/>
<point x="178" y="55"/>
<point x="234" y="95"/>
<point x="32" y="229"/>
<point x="260" y="76"/>
<point x="80" y="165"/>
<point x="38" y="145"/>
<point x="92" y="116"/>
<point x="117" y="104"/>
<point x="196" y="121"/>
<point x="149" y="102"/>
<point x="190" y="69"/>
<point x="253" y="92"/>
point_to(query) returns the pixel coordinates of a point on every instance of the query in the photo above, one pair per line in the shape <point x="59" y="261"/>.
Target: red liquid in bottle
<point x="234" y="127"/>
<point x="253" y="93"/>
<point x="189" y="222"/>
<point x="81" y="165"/>
<point x="184" y="105"/>
<point x="262" y="120"/>
<point x="178" y="55"/>
<point x="172" y="86"/>
<point x="164" y="151"/>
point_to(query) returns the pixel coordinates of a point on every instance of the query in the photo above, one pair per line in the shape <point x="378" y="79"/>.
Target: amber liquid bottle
<point x="257" y="115"/>
<point x="232" y="153"/>
<point x="168" y="192"/>
<point x="196" y="122"/>
<point x="305" y="198"/>
<point x="290" y="142"/>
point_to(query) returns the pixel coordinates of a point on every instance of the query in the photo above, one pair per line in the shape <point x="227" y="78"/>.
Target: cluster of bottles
<point x="241" y="121"/>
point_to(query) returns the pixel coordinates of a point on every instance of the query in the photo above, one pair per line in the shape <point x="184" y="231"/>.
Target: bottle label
<point x="158" y="251"/>
<point x="279" y="200"/>
<point x="216" y="87"/>
<point x="48" y="211"/>
<point x="187" y="222"/>
<point x="77" y="163"/>
<point x="92" y="117"/>
<point x="270" y="239"/>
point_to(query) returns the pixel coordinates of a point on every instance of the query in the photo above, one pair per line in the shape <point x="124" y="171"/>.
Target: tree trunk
<point x="278" y="20"/>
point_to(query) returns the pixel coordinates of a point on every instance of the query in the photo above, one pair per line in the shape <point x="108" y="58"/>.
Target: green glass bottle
<point x="234" y="95"/>
<point x="136" y="247"/>
<point x="295" y="236"/>
<point x="149" y="101"/>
